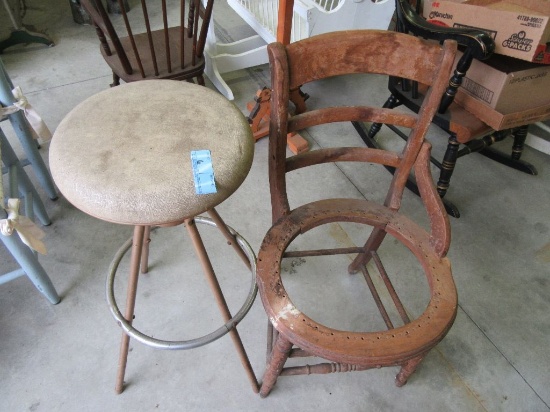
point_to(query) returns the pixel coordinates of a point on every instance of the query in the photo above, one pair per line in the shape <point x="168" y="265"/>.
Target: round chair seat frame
<point x="352" y="350"/>
<point x="191" y="343"/>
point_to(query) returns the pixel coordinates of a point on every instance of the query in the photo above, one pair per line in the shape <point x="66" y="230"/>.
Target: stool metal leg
<point x="137" y="247"/>
<point x="145" y="250"/>
<point x="215" y="286"/>
<point x="230" y="238"/>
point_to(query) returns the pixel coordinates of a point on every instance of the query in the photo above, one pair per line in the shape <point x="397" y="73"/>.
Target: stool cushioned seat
<point x="138" y="183"/>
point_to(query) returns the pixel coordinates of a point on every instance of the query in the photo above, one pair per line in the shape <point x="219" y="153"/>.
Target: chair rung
<point x="323" y="252"/>
<point x="299" y="353"/>
<point x="391" y="289"/>
<point x="323" y="368"/>
<point x="376" y="297"/>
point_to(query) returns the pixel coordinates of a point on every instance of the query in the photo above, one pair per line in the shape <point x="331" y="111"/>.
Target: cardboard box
<point x="499" y="121"/>
<point x="520" y="28"/>
<point x="507" y="85"/>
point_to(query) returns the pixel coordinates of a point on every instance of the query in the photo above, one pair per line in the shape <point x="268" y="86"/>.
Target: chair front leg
<point x="278" y="358"/>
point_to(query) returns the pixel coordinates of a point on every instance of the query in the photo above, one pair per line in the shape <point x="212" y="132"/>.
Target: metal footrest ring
<point x="183" y="344"/>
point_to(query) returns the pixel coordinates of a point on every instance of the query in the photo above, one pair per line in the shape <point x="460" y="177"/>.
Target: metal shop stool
<point x="133" y="155"/>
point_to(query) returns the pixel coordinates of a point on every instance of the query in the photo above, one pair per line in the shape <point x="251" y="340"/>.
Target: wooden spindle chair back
<point x="142" y="43"/>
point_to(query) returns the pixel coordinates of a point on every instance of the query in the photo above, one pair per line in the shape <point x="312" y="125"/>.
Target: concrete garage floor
<point x="64" y="357"/>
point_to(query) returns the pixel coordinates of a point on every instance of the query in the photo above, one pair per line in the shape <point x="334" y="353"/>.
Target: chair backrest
<point x="352" y="52"/>
<point x="150" y="42"/>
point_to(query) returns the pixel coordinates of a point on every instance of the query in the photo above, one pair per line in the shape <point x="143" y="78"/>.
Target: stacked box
<point x="520" y="28"/>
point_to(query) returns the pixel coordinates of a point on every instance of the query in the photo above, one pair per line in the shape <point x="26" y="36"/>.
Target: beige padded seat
<point x="124" y="156"/>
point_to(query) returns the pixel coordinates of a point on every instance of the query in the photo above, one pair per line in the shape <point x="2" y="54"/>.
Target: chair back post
<point x="426" y="113"/>
<point x="206" y="17"/>
<point x="102" y="40"/>
<point x="101" y="20"/>
<point x="278" y="127"/>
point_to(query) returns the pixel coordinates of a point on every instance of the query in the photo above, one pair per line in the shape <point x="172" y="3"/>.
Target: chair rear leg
<point x="116" y="80"/>
<point x="520" y="135"/>
<point x="373" y="243"/>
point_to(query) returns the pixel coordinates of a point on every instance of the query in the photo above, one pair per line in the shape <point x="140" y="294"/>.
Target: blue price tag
<point x="203" y="172"/>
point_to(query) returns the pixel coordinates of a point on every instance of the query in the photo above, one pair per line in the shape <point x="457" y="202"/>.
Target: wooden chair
<point x="320" y="57"/>
<point x="464" y="128"/>
<point x="144" y="46"/>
